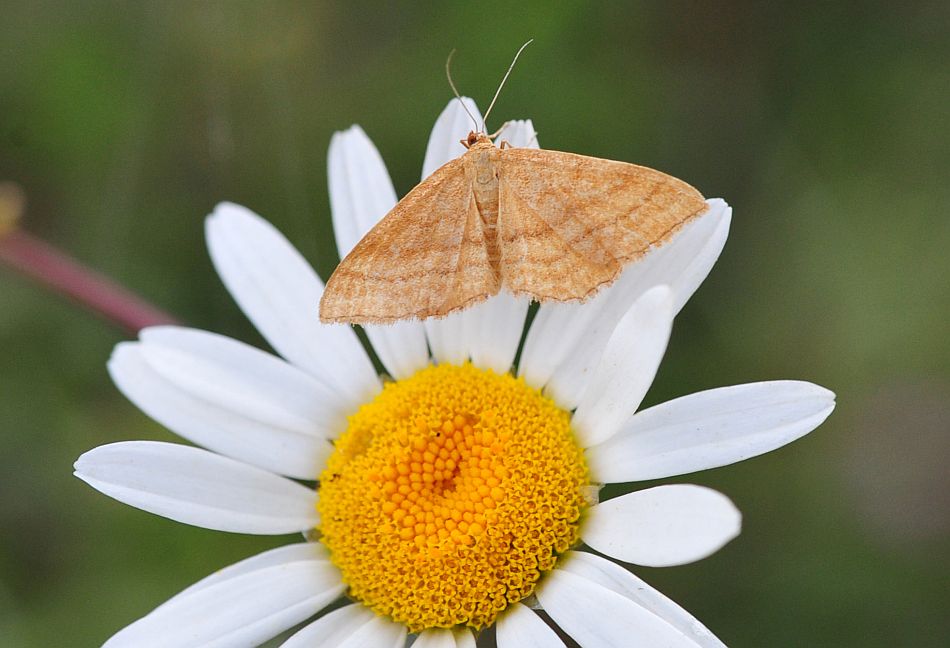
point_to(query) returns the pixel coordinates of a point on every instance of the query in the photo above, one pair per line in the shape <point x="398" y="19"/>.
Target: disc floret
<point x="450" y="494"/>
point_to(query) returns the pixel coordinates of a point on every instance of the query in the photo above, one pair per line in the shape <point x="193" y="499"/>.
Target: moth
<point x="543" y="224"/>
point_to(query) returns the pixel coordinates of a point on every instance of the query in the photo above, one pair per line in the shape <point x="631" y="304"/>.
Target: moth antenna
<point x="448" y="75"/>
<point x="502" y="84"/>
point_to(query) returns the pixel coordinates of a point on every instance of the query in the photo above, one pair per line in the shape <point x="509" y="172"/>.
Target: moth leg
<point x="504" y="145"/>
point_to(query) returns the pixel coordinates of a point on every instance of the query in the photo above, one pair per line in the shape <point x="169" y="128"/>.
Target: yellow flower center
<point x="449" y="495"/>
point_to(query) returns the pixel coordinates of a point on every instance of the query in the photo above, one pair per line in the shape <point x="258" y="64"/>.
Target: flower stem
<point x="68" y="277"/>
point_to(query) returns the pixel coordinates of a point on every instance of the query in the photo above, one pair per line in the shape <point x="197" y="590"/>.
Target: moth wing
<point x="426" y="258"/>
<point x="568" y="223"/>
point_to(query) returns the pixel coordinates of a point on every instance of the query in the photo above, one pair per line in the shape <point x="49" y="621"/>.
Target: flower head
<point x="455" y="492"/>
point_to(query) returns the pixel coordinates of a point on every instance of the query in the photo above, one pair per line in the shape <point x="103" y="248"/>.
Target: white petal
<point x="710" y="429"/>
<point x="224" y="426"/>
<point x="447" y="338"/>
<point x="331" y="629"/>
<point x="614" y="577"/>
<point x="495" y="331"/>
<point x="555" y="331"/>
<point x="280" y="293"/>
<point x="464" y="638"/>
<point x="435" y="638"/>
<point x="361" y="193"/>
<point x="519" y="133"/>
<point x="597" y="617"/>
<point x="452" y="126"/>
<point x="245" y="610"/>
<point x="627" y="368"/>
<point x="401" y="347"/>
<point x="353" y="626"/>
<point x="198" y="487"/>
<point x="684" y="262"/>
<point x="443" y="638"/>
<point x="567" y="340"/>
<point x="519" y="627"/>
<point x="237" y="376"/>
<point x="662" y="526"/>
<point x="299" y="552"/>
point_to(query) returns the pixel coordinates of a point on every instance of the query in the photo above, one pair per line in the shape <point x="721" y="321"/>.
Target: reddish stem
<point x="66" y="276"/>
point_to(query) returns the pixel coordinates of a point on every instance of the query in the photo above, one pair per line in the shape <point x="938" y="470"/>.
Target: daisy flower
<point x="455" y="493"/>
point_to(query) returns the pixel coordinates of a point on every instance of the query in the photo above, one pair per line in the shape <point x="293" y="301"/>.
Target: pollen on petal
<point x="450" y="494"/>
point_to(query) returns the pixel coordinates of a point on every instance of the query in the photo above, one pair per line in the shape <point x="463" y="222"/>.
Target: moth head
<point x="474" y="138"/>
<point x="470" y="140"/>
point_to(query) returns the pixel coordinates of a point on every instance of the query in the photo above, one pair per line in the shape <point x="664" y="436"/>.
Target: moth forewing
<point x="412" y="263"/>
<point x="570" y="223"/>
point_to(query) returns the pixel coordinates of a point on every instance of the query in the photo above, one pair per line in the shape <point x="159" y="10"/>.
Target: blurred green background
<point x="826" y="126"/>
